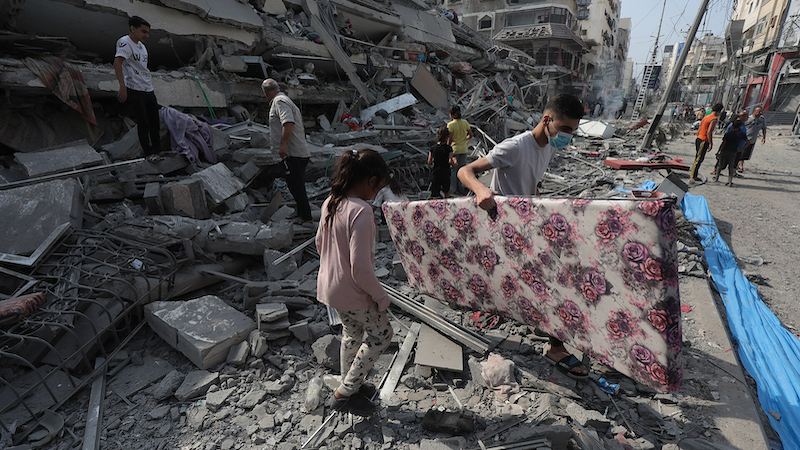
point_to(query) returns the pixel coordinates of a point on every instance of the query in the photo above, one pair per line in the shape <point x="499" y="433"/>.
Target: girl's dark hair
<point x="394" y="185"/>
<point x="455" y="111"/>
<point x="354" y="167"/>
<point x="442" y="134"/>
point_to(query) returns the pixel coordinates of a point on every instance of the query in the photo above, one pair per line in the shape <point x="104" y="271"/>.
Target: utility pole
<point x="673" y="79"/>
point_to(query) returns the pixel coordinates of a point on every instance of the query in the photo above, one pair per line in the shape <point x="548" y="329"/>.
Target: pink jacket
<point x="346" y="277"/>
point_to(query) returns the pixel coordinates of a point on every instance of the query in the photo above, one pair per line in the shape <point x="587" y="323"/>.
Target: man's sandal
<point x="565" y="366"/>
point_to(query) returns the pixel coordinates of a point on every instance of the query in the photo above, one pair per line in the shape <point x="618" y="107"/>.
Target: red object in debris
<point x="623" y="164"/>
<point x="686" y="308"/>
<point x="594" y="153"/>
<point x="15" y="309"/>
<point x="647" y="194"/>
<point x="637" y="126"/>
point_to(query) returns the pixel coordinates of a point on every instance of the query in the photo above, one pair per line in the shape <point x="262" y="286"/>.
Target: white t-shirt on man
<point x="134" y="68"/>
<point x="519" y="164"/>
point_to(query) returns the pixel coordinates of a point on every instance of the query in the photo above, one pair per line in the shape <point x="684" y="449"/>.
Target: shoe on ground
<point x="356" y="404"/>
<point x="367" y="390"/>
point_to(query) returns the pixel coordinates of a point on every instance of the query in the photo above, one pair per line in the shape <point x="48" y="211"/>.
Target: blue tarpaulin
<point x="768" y="351"/>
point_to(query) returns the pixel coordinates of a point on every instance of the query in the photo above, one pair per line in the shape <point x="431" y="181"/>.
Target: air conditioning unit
<point x="584" y="3"/>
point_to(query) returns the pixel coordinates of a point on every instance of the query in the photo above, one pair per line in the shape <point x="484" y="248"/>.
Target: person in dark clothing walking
<point x="288" y="137"/>
<point x="441" y="158"/>
<point x="135" y="87"/>
<point x="726" y="155"/>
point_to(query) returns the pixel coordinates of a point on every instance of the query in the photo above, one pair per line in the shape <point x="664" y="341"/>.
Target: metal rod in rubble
<point x="673" y="78"/>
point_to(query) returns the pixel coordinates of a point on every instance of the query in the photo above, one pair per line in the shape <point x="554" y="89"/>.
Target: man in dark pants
<point x="289" y="137"/>
<point x="135" y="87"/>
<point x="704" y="141"/>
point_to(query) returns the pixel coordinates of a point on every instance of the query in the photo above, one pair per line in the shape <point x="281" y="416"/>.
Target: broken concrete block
<point x="152" y="198"/>
<point x="236" y="237"/>
<point x="587" y="417"/>
<point x="232" y="64"/>
<point x="247" y="172"/>
<point x="59" y="160"/>
<point x="277" y="271"/>
<point x="219" y="139"/>
<point x="326" y="351"/>
<point x="301" y="331"/>
<point x="258" y="345"/>
<point x="185" y="198"/>
<point x="280" y="386"/>
<point x="219" y="182"/>
<point x="238" y="202"/>
<point x="252" y="398"/>
<point x="202" y="329"/>
<point x="196" y="384"/>
<point x="278" y="235"/>
<point x="215" y="400"/>
<point x="133" y="378"/>
<point x="237" y="355"/>
<point x="558" y="435"/>
<point x="32" y="213"/>
<point x="261" y="157"/>
<point x="278" y="325"/>
<point x="126" y="148"/>
<point x="270" y="312"/>
<point x="167" y="386"/>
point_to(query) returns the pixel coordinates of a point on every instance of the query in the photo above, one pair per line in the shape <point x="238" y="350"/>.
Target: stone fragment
<point x="135" y="377"/>
<point x="238" y="202"/>
<point x="278" y="235"/>
<point x="196" y="384"/>
<point x="185" y="198"/>
<point x="167" y="386"/>
<point x="159" y="412"/>
<point x="262" y="157"/>
<point x="247" y="172"/>
<point x="650" y="417"/>
<point x="126" y="148"/>
<point x="278" y="325"/>
<point x="277" y="271"/>
<point x="219" y="182"/>
<point x="270" y="312"/>
<point x="252" y="398"/>
<point x="587" y="417"/>
<point x="195" y="417"/>
<point x="301" y="331"/>
<point x="231" y="63"/>
<point x="202" y="329"/>
<point x="451" y="443"/>
<point x="48" y="162"/>
<point x="237" y="355"/>
<point x="280" y="386"/>
<point x="236" y="237"/>
<point x="32" y="213"/>
<point x="215" y="400"/>
<point x="326" y="351"/>
<point x="258" y="345"/>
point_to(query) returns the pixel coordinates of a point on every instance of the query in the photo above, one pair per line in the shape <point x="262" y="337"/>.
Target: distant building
<point x="700" y="73"/>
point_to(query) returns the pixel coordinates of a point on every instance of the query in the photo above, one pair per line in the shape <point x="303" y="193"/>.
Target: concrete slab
<point x="202" y="329"/>
<point x="32" y="213"/>
<point x="220" y="183"/>
<point x="126" y="148"/>
<point x="225" y="11"/>
<point x="196" y="384"/>
<point x="422" y="26"/>
<point x="435" y="350"/>
<point x="430" y="89"/>
<point x="390" y="106"/>
<point x="60" y="160"/>
<point x="134" y="378"/>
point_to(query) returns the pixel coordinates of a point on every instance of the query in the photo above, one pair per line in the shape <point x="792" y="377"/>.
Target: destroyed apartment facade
<point x="577" y="46"/>
<point x="699" y="77"/>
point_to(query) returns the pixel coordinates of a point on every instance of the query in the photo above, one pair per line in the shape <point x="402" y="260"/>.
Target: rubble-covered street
<point x="169" y="301"/>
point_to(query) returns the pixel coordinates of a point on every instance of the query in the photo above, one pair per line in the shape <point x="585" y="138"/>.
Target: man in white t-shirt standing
<point x="520" y="163"/>
<point x="135" y="87"/>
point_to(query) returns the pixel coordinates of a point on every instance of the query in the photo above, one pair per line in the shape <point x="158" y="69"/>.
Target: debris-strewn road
<point x="760" y="215"/>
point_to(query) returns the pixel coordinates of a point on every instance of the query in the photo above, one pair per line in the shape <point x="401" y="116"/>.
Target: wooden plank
<point x="435" y="350"/>
<point x="400" y="363"/>
<point x="312" y="10"/>
<point x="91" y="434"/>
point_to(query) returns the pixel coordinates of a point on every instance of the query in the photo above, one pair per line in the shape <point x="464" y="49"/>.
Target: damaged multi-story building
<point x="576" y="46"/>
<point x="699" y="76"/>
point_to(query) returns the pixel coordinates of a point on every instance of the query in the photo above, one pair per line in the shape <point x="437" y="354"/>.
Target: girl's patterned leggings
<point x="358" y="354"/>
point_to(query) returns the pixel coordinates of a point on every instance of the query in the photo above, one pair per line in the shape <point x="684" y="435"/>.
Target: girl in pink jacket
<point x="347" y="282"/>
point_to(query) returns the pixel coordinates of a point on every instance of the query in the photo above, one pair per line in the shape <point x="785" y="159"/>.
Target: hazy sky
<point x="678" y="17"/>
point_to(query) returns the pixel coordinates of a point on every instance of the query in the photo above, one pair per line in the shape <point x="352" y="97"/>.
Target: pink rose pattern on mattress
<point x="598" y="274"/>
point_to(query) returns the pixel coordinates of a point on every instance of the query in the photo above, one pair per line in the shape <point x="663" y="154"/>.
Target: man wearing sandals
<point x="520" y="163"/>
<point x="754" y="125"/>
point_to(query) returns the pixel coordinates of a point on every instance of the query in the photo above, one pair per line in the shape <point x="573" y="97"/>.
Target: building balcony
<point x="548" y="31"/>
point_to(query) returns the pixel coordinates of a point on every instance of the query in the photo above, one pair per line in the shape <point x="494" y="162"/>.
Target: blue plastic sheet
<point x="768" y="351"/>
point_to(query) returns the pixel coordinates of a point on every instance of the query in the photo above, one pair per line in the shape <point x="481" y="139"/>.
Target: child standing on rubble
<point x="441" y="158"/>
<point x="347" y="282"/>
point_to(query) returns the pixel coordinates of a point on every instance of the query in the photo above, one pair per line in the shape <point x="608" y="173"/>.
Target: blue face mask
<point x="561" y="140"/>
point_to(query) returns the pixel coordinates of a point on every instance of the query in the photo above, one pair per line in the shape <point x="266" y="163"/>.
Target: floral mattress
<point x="600" y="275"/>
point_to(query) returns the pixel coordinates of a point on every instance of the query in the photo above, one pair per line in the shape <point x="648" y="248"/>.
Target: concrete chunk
<point x="252" y="398"/>
<point x="196" y="384"/>
<point x="185" y="198"/>
<point x="237" y="355"/>
<point x="59" y="160"/>
<point x="258" y="345"/>
<point x="236" y="237"/>
<point x="220" y="183"/>
<point x="32" y="213"/>
<point x="127" y="147"/>
<point x="215" y="400"/>
<point x="202" y="329"/>
<point x="167" y="386"/>
<point x="270" y="312"/>
<point x="277" y="271"/>
<point x="587" y="417"/>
